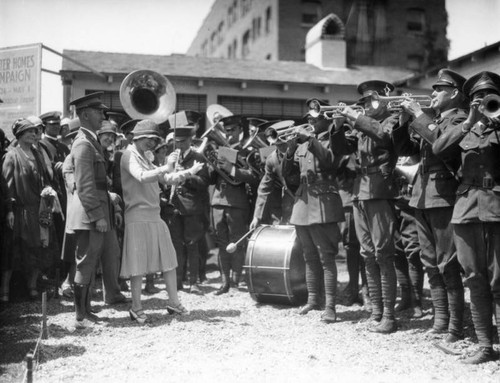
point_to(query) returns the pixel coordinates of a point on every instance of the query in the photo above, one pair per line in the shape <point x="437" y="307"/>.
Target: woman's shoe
<point x="139" y="316"/>
<point x="176" y="309"/>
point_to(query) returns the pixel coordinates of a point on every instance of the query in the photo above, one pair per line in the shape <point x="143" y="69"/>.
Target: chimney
<point x="325" y="43"/>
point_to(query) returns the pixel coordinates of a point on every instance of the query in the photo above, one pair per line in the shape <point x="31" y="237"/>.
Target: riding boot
<point x="80" y="293"/>
<point x="417" y="286"/>
<point x="352" y="288"/>
<point x="374" y="288"/>
<point x="403" y="278"/>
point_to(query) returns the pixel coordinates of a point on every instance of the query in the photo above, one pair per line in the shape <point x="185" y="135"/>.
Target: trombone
<point x="394" y="102"/>
<point x="330" y="111"/>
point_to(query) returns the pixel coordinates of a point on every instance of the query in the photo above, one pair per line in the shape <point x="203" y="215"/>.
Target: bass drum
<point x="275" y="267"/>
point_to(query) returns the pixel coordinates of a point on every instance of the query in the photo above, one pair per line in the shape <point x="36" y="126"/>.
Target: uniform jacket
<point x="436" y="182"/>
<point x="90" y="201"/>
<point x="226" y="194"/>
<point x="317" y="198"/>
<point x="346" y="175"/>
<point x="191" y="197"/>
<point x="478" y="195"/>
<point x="376" y="156"/>
<point x="271" y="194"/>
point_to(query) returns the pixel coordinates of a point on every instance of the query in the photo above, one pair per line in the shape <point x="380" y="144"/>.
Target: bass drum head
<point x="274" y="265"/>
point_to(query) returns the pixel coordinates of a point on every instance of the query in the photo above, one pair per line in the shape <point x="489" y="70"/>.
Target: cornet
<point x="330" y="111"/>
<point x="287" y="133"/>
<point x="490" y="106"/>
<point x="394" y="102"/>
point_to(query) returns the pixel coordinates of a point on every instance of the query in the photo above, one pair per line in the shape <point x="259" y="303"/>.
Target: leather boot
<point x="224" y="288"/>
<point x="483" y="355"/>
<point x="89" y="312"/>
<point x="79" y="299"/>
<point x="405" y="302"/>
<point x="387" y="325"/>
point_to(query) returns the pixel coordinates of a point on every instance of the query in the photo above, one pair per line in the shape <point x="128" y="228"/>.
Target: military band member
<point x="188" y="223"/>
<point x="433" y="197"/>
<point x="317" y="210"/>
<point x="274" y="194"/>
<point x="476" y="214"/>
<point x="374" y="193"/>
<point x="230" y="204"/>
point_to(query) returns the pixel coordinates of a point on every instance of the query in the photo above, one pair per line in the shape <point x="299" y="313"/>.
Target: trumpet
<point x="288" y="133"/>
<point x="331" y="111"/>
<point x="490" y="106"/>
<point x="394" y="102"/>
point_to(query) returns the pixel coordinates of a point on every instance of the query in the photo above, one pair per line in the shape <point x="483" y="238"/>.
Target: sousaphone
<point x="146" y="94"/>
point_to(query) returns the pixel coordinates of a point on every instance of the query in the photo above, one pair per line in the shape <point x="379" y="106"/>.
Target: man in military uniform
<point x="230" y="202"/>
<point x="374" y="193"/>
<point x="476" y="214"/>
<point x="188" y="223"/>
<point x="89" y="214"/>
<point x="433" y="197"/>
<point x="275" y="196"/>
<point x="317" y="210"/>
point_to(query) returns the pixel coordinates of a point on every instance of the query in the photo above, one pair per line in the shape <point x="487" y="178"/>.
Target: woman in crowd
<point x="147" y="246"/>
<point x="25" y="175"/>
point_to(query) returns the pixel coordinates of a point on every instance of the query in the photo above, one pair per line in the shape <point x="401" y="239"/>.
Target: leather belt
<point x="367" y="170"/>
<point x="433" y="169"/>
<point x="484" y="182"/>
<point x="311" y="178"/>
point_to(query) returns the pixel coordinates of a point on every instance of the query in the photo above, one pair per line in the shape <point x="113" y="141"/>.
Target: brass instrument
<point x="146" y="94"/>
<point x="288" y="133"/>
<point x="331" y="111"/>
<point x="394" y="102"/>
<point x="490" y="106"/>
<point x="212" y="139"/>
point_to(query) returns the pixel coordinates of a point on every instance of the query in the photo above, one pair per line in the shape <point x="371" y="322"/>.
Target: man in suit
<point x="476" y="214"/>
<point x="188" y="223"/>
<point x="374" y="193"/>
<point x="433" y="197"/>
<point x="89" y="214"/>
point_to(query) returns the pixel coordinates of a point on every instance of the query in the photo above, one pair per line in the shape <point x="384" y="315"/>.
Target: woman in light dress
<point x="147" y="245"/>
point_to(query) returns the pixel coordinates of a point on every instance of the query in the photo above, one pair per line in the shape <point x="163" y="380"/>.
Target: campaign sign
<point x="20" y="79"/>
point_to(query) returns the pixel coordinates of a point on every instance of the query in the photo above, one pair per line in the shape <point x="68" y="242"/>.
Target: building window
<point x="416" y="20"/>
<point x="204" y="48"/>
<point x="235" y="48"/>
<point x="230" y="16"/>
<point x="256" y="25"/>
<point x="311" y="12"/>
<point x="268" y="56"/>
<point x="245" y="7"/>
<point x="235" y="11"/>
<point x="213" y="41"/>
<point x="220" y="33"/>
<point x="245" y="47"/>
<point x="268" y="20"/>
<point x="414" y="62"/>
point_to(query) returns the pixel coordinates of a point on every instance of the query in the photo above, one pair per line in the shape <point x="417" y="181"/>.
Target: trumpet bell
<point x="146" y="94"/>
<point x="490" y="106"/>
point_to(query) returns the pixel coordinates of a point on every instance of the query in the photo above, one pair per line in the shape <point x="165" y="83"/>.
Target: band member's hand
<point x="10" y="220"/>
<point x="197" y="166"/>
<point x="350" y="113"/>
<point x="411" y="107"/>
<point x="474" y="115"/>
<point x="255" y="222"/>
<point x="101" y="225"/>
<point x="118" y="220"/>
<point x="303" y="134"/>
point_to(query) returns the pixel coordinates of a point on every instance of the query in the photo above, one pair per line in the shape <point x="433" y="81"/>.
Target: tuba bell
<point x="146" y="94"/>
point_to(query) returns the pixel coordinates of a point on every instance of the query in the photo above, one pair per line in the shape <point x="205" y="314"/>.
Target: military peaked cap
<point x="93" y="100"/>
<point x="447" y="77"/>
<point x="482" y="81"/>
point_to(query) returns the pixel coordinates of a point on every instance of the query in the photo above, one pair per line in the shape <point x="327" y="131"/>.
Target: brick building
<point x="404" y="33"/>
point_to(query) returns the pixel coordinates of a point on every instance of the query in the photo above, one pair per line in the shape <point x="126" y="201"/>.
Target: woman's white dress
<point x="147" y="245"/>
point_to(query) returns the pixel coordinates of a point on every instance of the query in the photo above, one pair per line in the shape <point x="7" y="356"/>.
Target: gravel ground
<point x="229" y="338"/>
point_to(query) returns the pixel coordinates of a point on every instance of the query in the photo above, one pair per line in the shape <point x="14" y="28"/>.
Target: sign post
<point x="20" y="84"/>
